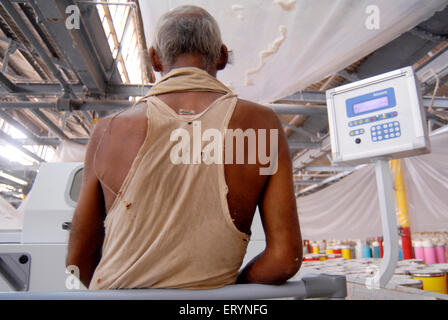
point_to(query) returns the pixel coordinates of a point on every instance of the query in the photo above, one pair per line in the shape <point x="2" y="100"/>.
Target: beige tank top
<point x="169" y="225"/>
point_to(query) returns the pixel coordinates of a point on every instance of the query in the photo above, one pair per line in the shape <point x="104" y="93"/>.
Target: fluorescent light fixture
<point x="12" y="178"/>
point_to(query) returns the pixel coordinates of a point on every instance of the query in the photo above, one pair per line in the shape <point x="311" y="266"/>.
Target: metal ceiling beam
<point x="436" y="68"/>
<point x="145" y="60"/>
<point x="50" y="141"/>
<point x="10" y="183"/>
<point x="104" y="105"/>
<point x="125" y="35"/>
<point x="5" y="163"/>
<point x="439" y="102"/>
<point x="305" y="182"/>
<point x="129" y="4"/>
<point x="13" y="198"/>
<point x="95" y="32"/>
<point x="432" y="57"/>
<point x="352" y="77"/>
<point x="11" y="121"/>
<point x="406" y="49"/>
<point x="297" y="109"/>
<point x="308" y="174"/>
<point x="31" y="19"/>
<point x="310" y="155"/>
<point x="300" y="130"/>
<point x="15" y="16"/>
<point x="48" y="89"/>
<point x="6" y="83"/>
<point x="50" y="124"/>
<point x="10" y="87"/>
<point x="18" y="167"/>
<point x="6" y="173"/>
<point x="113" y="35"/>
<point x="303" y="145"/>
<point x="326" y="181"/>
<point x="328" y="168"/>
<point x="73" y="44"/>
<point x="317" y="97"/>
<point x="70" y="105"/>
<point x="14" y="34"/>
<point x="11" y="141"/>
<point x="426" y="35"/>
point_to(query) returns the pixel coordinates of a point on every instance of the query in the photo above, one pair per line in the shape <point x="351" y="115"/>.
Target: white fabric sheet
<point x="10" y="218"/>
<point x="426" y="182"/>
<point x="349" y="208"/>
<point x="304" y="41"/>
<point x="69" y="152"/>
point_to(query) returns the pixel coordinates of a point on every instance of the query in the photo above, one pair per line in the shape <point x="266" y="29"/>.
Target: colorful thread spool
<point x="419" y="252"/>
<point x="322" y="257"/>
<point x="366" y="252"/>
<point x="322" y="246"/>
<point x="308" y="245"/>
<point x="337" y="250"/>
<point x="352" y="251"/>
<point x="346" y="252"/>
<point x="380" y="242"/>
<point x="443" y="267"/>
<point x="358" y="249"/>
<point x="310" y="257"/>
<point x="334" y="256"/>
<point x="376" y="250"/>
<point x="440" y="253"/>
<point x="411" y="283"/>
<point x="305" y="250"/>
<point x="430" y="252"/>
<point x="434" y="280"/>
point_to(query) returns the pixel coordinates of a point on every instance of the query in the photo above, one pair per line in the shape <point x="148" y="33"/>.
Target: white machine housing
<point x="49" y="206"/>
<point x="378" y="117"/>
<point x="47" y="216"/>
<point x="51" y="202"/>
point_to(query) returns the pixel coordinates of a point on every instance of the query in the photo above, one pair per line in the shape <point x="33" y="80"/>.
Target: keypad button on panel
<point x="377" y="117"/>
<point x="357" y="132"/>
<point x="385" y="131"/>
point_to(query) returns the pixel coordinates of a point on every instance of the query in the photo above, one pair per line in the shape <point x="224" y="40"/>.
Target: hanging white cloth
<point x="301" y="42"/>
<point x="69" y="152"/>
<point x="349" y="208"/>
<point x="10" y="217"/>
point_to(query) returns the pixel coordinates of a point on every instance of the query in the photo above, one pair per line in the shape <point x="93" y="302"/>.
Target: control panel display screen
<point x="371" y="102"/>
<point x="370" y="105"/>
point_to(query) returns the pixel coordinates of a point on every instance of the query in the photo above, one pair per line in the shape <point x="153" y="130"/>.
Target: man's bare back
<point x="126" y="133"/>
<point x="274" y="194"/>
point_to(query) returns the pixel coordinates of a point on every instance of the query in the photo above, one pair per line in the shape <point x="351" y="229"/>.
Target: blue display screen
<point x="370" y="105"/>
<point x="371" y="102"/>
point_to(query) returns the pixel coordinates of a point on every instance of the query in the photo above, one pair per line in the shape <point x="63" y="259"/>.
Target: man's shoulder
<point x="255" y="114"/>
<point x="250" y="106"/>
<point x="119" y="121"/>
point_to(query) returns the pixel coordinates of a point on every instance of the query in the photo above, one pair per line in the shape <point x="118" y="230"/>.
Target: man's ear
<point x="223" y="58"/>
<point x="155" y="60"/>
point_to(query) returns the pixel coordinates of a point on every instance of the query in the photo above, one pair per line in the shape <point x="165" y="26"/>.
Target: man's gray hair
<point x="187" y="29"/>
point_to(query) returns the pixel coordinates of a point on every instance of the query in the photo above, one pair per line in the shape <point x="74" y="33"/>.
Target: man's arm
<point x="282" y="257"/>
<point x="87" y="231"/>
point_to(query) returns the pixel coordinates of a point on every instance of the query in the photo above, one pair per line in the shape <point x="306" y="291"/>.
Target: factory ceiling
<point x="57" y="79"/>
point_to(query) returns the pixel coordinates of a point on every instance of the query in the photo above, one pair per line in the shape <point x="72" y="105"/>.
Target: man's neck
<point x="189" y="60"/>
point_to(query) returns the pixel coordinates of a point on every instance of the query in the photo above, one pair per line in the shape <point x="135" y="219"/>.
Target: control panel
<point x="382" y="116"/>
